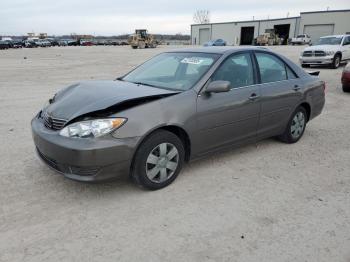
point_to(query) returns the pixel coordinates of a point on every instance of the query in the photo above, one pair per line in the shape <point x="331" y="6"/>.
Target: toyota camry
<point x="175" y="107"/>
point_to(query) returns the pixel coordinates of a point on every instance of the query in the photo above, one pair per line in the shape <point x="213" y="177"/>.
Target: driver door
<point x="230" y="117"/>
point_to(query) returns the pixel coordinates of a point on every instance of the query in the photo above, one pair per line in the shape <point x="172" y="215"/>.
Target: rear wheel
<point x="158" y="160"/>
<point x="295" y="127"/>
<point x="336" y="61"/>
<point x="346" y="89"/>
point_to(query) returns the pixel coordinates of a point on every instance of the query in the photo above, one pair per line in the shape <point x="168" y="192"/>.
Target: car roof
<point x="217" y="49"/>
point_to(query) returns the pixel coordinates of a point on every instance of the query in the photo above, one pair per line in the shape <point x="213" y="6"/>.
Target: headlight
<point x="329" y="52"/>
<point x="92" y="128"/>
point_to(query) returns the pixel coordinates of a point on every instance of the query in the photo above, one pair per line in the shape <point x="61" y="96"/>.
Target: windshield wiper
<point x="144" y="84"/>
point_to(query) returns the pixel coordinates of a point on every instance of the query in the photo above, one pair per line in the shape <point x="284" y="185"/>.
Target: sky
<point x="114" y="17"/>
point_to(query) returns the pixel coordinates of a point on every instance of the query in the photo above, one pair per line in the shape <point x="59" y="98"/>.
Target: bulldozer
<point x="269" y="38"/>
<point x="141" y="39"/>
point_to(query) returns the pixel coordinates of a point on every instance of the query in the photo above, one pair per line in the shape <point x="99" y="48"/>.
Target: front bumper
<point x="83" y="159"/>
<point x="314" y="60"/>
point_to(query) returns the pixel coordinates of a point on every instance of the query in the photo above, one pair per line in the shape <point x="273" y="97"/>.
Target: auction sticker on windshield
<point x="191" y="60"/>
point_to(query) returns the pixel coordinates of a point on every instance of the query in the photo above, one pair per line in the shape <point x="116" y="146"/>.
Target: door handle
<point x="296" y="88"/>
<point x="253" y="97"/>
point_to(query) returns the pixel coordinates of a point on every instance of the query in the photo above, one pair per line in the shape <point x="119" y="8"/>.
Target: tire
<point x="298" y="123"/>
<point x="134" y="47"/>
<point x="305" y="66"/>
<point x="336" y="61"/>
<point x="346" y="89"/>
<point x="153" y="169"/>
<point x="142" y="45"/>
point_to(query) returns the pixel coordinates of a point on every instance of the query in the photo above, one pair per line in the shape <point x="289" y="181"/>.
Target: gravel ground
<point x="264" y="202"/>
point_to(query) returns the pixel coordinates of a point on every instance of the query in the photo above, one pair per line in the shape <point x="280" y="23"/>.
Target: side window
<point x="290" y="73"/>
<point x="347" y="41"/>
<point x="237" y="69"/>
<point x="271" y="68"/>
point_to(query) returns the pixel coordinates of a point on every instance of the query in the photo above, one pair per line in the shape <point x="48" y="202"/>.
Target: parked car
<point x="73" y="42"/>
<point x="301" y="40"/>
<point x="17" y="44"/>
<point x="176" y="107"/>
<point x="62" y="42"/>
<point x="30" y="44"/>
<point x="42" y="43"/>
<point x="345" y="79"/>
<point x="53" y="41"/>
<point x="10" y="43"/>
<point x="84" y="42"/>
<point x="4" y="45"/>
<point x="114" y="42"/>
<point x="216" y="42"/>
<point x="328" y="50"/>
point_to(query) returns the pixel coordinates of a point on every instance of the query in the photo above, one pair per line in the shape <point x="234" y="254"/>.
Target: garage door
<point x="204" y="36"/>
<point x="316" y="31"/>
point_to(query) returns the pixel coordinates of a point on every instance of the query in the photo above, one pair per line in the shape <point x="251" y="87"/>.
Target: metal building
<point x="315" y="24"/>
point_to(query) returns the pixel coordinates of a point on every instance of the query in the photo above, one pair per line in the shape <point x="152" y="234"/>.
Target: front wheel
<point x="336" y="61"/>
<point x="295" y="127"/>
<point x="158" y="160"/>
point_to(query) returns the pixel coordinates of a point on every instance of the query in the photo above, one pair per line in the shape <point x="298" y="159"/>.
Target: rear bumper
<point x="324" y="60"/>
<point x="83" y="159"/>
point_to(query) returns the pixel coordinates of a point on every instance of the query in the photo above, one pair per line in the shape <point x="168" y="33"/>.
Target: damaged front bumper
<point x="84" y="159"/>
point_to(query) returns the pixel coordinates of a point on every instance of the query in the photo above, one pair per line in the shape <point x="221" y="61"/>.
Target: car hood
<point x="87" y="97"/>
<point x="322" y="48"/>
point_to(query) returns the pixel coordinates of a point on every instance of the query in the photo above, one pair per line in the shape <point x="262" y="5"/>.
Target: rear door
<point x="280" y="93"/>
<point x="229" y="117"/>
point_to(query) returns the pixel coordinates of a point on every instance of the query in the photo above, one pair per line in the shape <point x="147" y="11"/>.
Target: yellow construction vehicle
<point x="141" y="39"/>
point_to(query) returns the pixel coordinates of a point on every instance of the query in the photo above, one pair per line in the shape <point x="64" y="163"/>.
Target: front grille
<point x="307" y="53"/>
<point x="53" y="123"/>
<point x="320" y="53"/>
<point x="314" y="53"/>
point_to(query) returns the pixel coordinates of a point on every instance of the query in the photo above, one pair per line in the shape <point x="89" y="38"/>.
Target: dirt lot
<point x="263" y="202"/>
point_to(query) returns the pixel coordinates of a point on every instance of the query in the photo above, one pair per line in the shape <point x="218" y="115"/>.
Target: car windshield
<point x="300" y="36"/>
<point x="174" y="71"/>
<point x="329" y="41"/>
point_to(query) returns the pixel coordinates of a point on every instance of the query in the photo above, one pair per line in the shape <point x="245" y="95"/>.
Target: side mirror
<point x="218" y="87"/>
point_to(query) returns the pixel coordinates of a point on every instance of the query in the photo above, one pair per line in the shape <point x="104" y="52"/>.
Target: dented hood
<point x="92" y="96"/>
